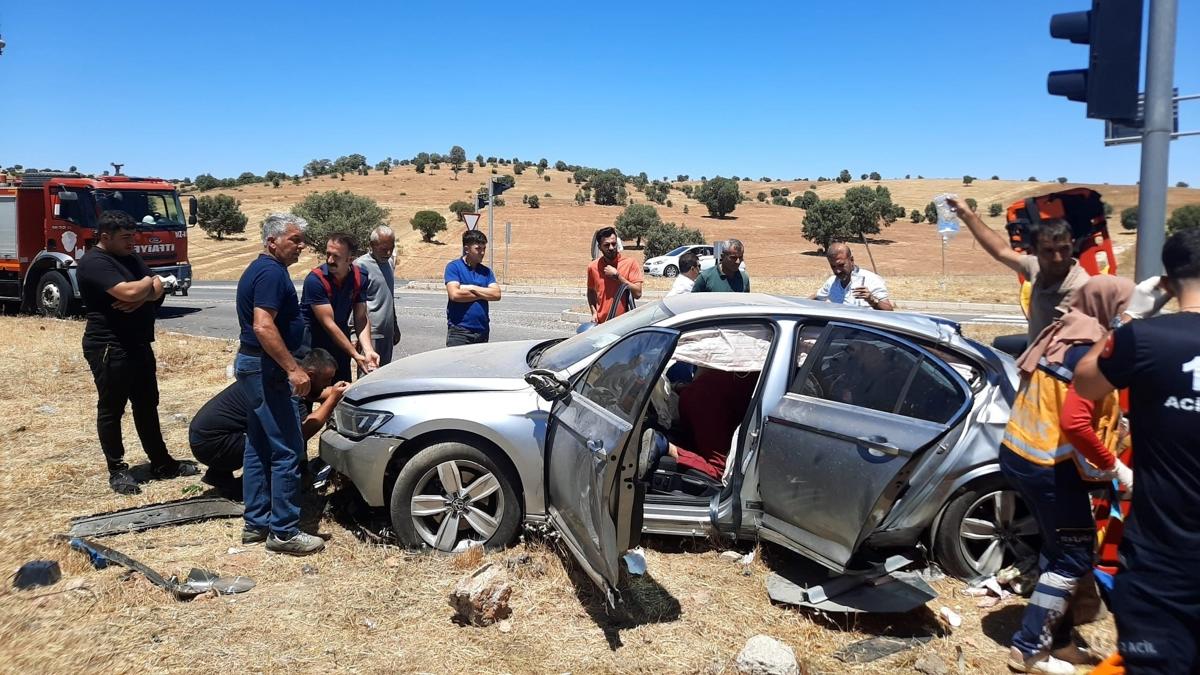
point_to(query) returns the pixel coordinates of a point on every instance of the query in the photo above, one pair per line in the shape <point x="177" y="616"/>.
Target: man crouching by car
<point x="217" y="433"/>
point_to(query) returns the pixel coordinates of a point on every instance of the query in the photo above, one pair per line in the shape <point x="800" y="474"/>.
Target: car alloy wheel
<point x="997" y="529"/>
<point x="670" y="271"/>
<point x="456" y="503"/>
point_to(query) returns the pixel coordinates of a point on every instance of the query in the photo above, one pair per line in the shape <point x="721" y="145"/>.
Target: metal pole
<point x="507" y="236"/>
<point x="491" y="212"/>
<point x="1156" y="138"/>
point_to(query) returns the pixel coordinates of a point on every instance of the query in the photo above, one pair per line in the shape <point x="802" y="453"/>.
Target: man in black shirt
<point x="217" y="433"/>
<point x="1156" y="595"/>
<point x="121" y="296"/>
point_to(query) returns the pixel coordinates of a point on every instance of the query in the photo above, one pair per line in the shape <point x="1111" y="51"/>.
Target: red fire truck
<point x="48" y="220"/>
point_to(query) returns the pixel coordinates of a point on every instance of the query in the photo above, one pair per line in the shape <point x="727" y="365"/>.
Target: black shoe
<point x="252" y="535"/>
<point x="123" y="482"/>
<point x="174" y="469"/>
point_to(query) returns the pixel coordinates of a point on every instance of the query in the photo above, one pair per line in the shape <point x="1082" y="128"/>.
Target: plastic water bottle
<point x="948" y="224"/>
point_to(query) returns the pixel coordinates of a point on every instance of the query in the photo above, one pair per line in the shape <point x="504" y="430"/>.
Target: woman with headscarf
<point x="1056" y="447"/>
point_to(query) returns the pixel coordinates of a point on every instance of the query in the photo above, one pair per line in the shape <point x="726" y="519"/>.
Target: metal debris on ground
<point x="481" y="597"/>
<point x="37" y="573"/>
<point x="764" y="655"/>
<point x="196" y="583"/>
<point x="872" y="649"/>
<point x="142" y="518"/>
<point x="884" y="588"/>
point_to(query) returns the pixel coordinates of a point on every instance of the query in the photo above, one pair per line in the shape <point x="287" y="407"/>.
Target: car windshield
<point x="147" y="207"/>
<point x="572" y="350"/>
<point x="679" y="251"/>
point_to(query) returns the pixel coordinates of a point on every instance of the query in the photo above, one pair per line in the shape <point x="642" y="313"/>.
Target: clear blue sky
<point x="777" y="89"/>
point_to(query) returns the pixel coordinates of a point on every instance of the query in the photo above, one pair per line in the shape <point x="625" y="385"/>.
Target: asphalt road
<point x="209" y="310"/>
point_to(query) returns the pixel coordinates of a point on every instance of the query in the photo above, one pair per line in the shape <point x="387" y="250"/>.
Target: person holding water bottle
<point x="1055" y="275"/>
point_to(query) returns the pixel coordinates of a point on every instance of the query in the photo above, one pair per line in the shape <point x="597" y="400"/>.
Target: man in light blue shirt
<point x="850" y="284"/>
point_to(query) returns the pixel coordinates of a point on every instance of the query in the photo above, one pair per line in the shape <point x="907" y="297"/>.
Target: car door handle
<point x="879" y="443"/>
<point x="595" y="445"/>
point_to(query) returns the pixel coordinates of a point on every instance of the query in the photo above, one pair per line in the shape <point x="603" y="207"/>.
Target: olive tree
<point x="333" y="211"/>
<point x="428" y="223"/>
<point x="220" y="215"/>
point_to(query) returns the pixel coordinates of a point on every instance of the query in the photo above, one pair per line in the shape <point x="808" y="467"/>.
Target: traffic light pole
<point x="491" y="222"/>
<point x="1156" y="137"/>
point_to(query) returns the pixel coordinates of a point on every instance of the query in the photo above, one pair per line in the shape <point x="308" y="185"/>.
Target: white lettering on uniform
<point x="1193" y="367"/>
<point x="1172" y="402"/>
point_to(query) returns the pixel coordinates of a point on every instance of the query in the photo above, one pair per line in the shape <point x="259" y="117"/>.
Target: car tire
<point x="490" y="519"/>
<point x="960" y="551"/>
<point x="54" y="296"/>
<point x="670" y="271"/>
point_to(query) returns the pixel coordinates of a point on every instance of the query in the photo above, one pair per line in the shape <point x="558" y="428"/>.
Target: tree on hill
<point x="420" y="166"/>
<point x="994" y="177"/>
<point x="875" y="176"/>
<point x="967" y="180"/>
<point x="665" y="237"/>
<point x="507" y="181"/>
<point x="1032" y="179"/>
<point x="457" y="158"/>
<point x="973" y="204"/>
<point x="826" y="222"/>
<point x="428" y="223"/>
<point x="479" y="159"/>
<point x="864" y="176"/>
<point x="761" y="196"/>
<point x="460" y="207"/>
<point x="333" y="211"/>
<point x="349" y="163"/>
<point x="931" y="212"/>
<point x="534" y="202"/>
<point x="915" y="216"/>
<point x="866" y="210"/>
<point x="1184" y="218"/>
<point x="606" y="188"/>
<point x="808" y="199"/>
<point x="1180" y="184"/>
<point x="1062" y="179"/>
<point x="995" y="209"/>
<point x="219" y="215"/>
<point x="1129" y="218"/>
<point x="844" y="176"/>
<point x="719" y="195"/>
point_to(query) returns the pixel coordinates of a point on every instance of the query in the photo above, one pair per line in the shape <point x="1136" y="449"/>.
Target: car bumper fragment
<point x="364" y="462"/>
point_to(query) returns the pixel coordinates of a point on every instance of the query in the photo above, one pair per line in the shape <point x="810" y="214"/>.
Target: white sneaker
<point x="1077" y="655"/>
<point x="1038" y="663"/>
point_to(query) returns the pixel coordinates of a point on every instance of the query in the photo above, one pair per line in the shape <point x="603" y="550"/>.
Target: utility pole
<point x="1156" y="137"/>
<point x="491" y="222"/>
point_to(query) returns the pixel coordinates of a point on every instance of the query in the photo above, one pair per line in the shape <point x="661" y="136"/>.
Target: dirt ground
<point x="552" y="243"/>
<point x="361" y="607"/>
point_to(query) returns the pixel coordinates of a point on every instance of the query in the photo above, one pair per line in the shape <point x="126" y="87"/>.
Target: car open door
<point x="862" y="410"/>
<point x="594" y="498"/>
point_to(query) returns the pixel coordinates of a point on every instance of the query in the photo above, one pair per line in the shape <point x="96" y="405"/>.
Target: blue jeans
<point x="1060" y="502"/>
<point x="274" y="447"/>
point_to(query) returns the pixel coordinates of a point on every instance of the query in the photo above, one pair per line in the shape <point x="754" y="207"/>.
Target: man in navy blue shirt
<point x="1156" y="594"/>
<point x="470" y="285"/>
<point x="332" y="292"/>
<point x="272" y="334"/>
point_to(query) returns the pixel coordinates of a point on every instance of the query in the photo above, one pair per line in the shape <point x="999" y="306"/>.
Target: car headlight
<point x="356" y="422"/>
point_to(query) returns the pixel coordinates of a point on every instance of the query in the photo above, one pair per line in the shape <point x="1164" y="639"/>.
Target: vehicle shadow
<point x="643" y="601"/>
<point x="172" y="312"/>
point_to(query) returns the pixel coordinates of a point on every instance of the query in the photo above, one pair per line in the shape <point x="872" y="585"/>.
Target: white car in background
<point x="668" y="265"/>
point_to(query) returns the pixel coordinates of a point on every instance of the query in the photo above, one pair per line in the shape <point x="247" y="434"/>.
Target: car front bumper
<point x="364" y="462"/>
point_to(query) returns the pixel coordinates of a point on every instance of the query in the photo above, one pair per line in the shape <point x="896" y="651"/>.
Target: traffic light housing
<point x="499" y="186"/>
<point x="1112" y="29"/>
<point x="481" y="200"/>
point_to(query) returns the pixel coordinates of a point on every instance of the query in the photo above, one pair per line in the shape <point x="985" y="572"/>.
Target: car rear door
<point x="594" y="497"/>
<point x="861" y="411"/>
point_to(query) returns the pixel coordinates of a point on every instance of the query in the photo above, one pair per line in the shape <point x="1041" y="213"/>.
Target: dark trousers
<point x="1062" y="506"/>
<point x="126" y="375"/>
<point x="223" y="453"/>
<point x="456" y="337"/>
<point x="383" y="347"/>
<point x="274" y="448"/>
<point x="1156" y="602"/>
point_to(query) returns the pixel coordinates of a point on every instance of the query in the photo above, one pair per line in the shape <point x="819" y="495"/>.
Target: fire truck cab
<point x="48" y="220"/>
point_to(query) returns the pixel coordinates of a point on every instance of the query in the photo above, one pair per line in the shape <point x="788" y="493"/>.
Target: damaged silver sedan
<point x="849" y="434"/>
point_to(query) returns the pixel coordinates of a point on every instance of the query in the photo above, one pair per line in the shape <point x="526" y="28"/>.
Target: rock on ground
<point x="481" y="597"/>
<point x="930" y="664"/>
<point x="764" y="655"/>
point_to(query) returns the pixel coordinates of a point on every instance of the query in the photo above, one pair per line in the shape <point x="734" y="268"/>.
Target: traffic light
<point x="1112" y="29"/>
<point x="481" y="200"/>
<point x="499" y="186"/>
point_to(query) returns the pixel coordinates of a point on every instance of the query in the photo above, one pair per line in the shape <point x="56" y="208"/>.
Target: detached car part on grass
<point x="867" y="432"/>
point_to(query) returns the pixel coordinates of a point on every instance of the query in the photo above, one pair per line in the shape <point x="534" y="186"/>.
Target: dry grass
<point x="553" y="241"/>
<point x="367" y="608"/>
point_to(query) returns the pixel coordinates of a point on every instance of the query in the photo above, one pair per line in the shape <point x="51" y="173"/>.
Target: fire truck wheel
<point x="54" y="295"/>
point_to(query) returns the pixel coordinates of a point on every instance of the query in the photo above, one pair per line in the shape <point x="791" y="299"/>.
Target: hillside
<point x="551" y="243"/>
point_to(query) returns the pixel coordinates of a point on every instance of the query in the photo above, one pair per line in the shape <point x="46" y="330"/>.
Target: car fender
<point x="979" y="473"/>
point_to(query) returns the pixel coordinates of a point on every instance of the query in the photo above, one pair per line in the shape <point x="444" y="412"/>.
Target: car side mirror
<point x="547" y="384"/>
<point x="68" y="196"/>
<point x="192" y="208"/>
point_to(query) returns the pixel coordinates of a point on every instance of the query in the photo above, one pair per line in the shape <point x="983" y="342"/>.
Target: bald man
<point x="850" y="284"/>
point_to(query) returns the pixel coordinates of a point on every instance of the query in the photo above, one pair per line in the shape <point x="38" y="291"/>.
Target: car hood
<point x="498" y="366"/>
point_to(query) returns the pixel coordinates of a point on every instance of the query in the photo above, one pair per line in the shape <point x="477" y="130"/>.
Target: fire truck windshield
<point x="148" y="208"/>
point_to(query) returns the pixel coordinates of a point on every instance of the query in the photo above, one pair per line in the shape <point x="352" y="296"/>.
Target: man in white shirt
<point x="851" y="285"/>
<point x="689" y="269"/>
